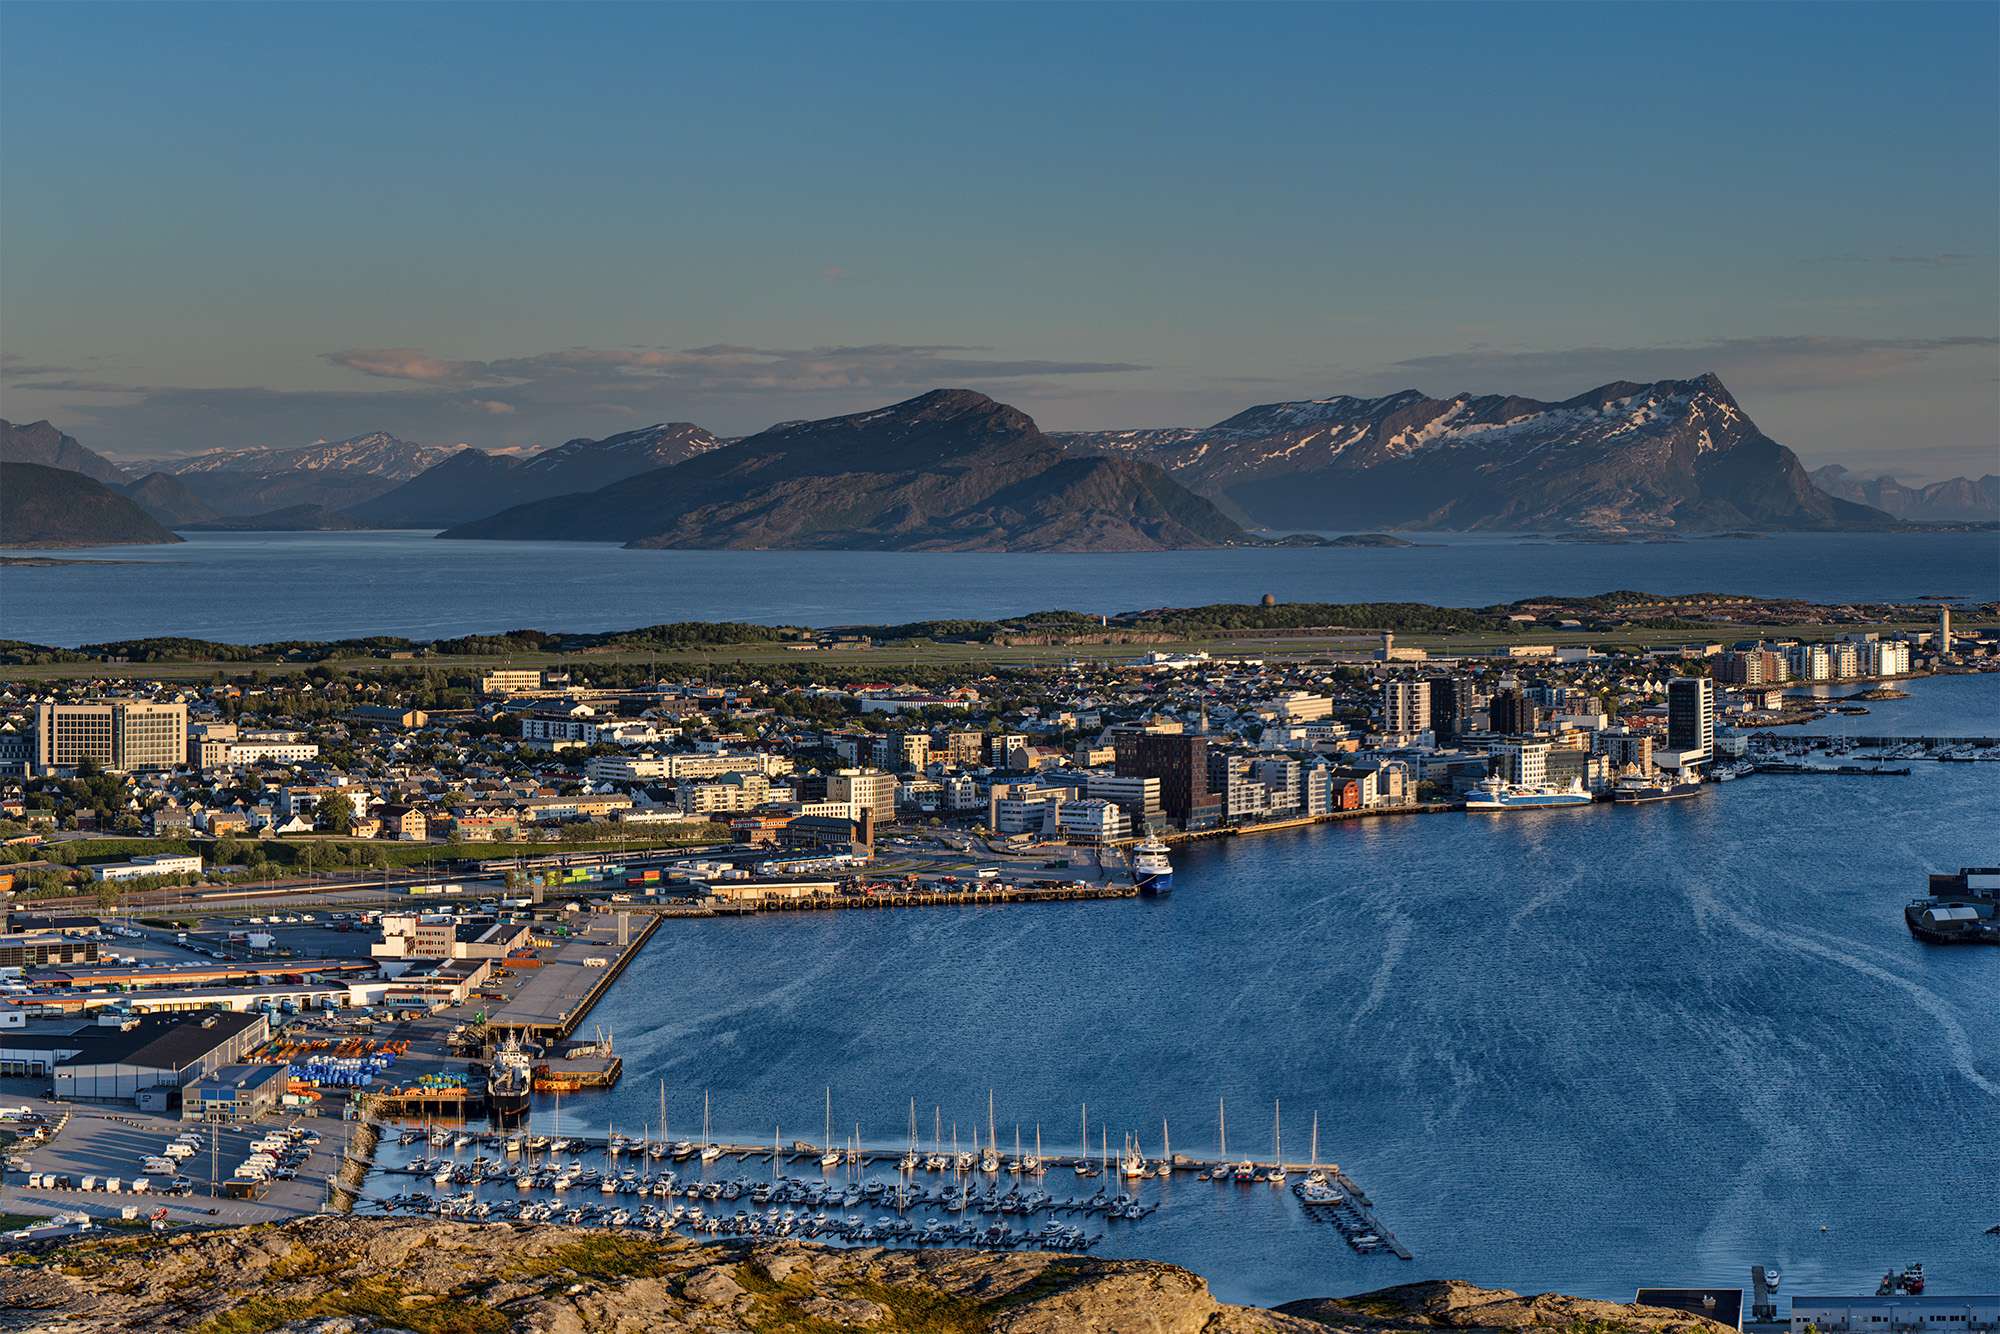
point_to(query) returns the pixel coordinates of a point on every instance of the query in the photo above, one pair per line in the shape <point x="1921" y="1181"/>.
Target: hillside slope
<point x="163" y="496"/>
<point x="472" y="483"/>
<point x="951" y="470"/>
<point x="40" y="442"/>
<point x="53" y="507"/>
<point x="361" y="1276"/>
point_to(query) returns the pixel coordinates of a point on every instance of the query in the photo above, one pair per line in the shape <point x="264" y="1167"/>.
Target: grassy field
<point x="932" y="653"/>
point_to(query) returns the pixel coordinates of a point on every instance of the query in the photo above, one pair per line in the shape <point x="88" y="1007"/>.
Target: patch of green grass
<point x="611" y="1257"/>
<point x="377" y="1301"/>
<point x="916" y="1309"/>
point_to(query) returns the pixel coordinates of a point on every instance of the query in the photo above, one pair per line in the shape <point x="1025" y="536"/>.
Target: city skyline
<point x="588" y="219"/>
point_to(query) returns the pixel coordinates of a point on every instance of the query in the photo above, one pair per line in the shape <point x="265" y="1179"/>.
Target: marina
<point x="911" y="1195"/>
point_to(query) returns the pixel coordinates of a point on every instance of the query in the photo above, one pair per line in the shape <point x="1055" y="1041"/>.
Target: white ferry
<point x="1494" y="795"/>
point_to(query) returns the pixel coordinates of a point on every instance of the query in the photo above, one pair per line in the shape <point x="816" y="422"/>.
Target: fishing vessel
<point x="510" y="1079"/>
<point x="1151" y="868"/>
<point x="1494" y="795"/>
<point x="1629" y="790"/>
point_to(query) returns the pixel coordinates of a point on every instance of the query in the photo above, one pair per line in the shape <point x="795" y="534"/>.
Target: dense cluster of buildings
<point x="1085" y="753"/>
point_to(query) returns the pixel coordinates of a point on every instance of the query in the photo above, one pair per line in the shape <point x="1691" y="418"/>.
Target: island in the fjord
<point x="336" y="1273"/>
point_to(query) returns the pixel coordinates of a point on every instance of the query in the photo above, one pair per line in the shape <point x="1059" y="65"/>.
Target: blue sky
<point x="513" y="224"/>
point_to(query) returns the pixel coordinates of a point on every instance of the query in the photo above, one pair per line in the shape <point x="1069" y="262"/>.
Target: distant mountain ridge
<point x="950" y="470"/>
<point x="40" y="442"/>
<point x="168" y="500"/>
<point x="1674" y="454"/>
<point x="330" y="473"/>
<point x="57" y="507"/>
<point x="471" y="484"/>
<point x="1954" y="500"/>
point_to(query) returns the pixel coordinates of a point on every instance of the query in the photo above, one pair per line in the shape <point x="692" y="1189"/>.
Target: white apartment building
<point x="1090" y="821"/>
<point x="1406" y="707"/>
<point x="868" y="789"/>
<point x="669" y="768"/>
<point x="722" y="796"/>
<point x="1139" y="796"/>
<point x="1525" y="763"/>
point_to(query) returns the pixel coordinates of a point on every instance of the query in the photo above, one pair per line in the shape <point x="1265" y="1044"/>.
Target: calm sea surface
<point x="1577" y="1049"/>
<point x="252" y="587"/>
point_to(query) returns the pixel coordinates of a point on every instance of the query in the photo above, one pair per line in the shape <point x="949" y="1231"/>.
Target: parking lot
<point x="102" y="1142"/>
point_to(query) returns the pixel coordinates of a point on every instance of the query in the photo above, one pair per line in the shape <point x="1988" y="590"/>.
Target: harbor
<point x="854" y="1192"/>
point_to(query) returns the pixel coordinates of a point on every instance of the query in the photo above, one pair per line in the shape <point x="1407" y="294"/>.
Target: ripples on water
<point x="1578" y="1050"/>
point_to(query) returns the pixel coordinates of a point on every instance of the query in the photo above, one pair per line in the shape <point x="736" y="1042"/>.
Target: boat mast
<point x="1222" y="1126"/>
<point x="827" y="1143"/>
<point x="1277" y="1137"/>
<point x="1315" y="1145"/>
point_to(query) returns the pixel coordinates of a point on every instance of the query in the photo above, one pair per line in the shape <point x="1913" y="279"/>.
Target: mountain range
<point x="330" y="473"/>
<point x="1955" y="500"/>
<point x="471" y="483"/>
<point x="1671" y="455"/>
<point x="950" y="470"/>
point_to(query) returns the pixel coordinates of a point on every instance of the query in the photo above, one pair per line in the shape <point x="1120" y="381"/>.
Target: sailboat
<point x="709" y="1152"/>
<point x="1083" y="1165"/>
<point x="829" y="1156"/>
<point x="908" y="1163"/>
<point x="936" y="1161"/>
<point x="990" y="1160"/>
<point x="1016" y="1164"/>
<point x="1316" y="1190"/>
<point x="1276" y="1176"/>
<point x="1221" y="1170"/>
<point x="1166" y="1151"/>
<point x="661" y="1149"/>
<point x="1033" y="1166"/>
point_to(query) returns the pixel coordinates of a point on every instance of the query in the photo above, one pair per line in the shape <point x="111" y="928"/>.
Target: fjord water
<point x="260" y="587"/>
<point x="1577" y="1050"/>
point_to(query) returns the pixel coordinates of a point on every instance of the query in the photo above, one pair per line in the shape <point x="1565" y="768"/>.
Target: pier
<point x="576" y="971"/>
<point x="755" y="898"/>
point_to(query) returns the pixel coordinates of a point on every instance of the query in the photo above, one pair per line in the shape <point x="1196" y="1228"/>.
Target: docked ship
<point x="1963" y="909"/>
<point x="1494" y="795"/>
<point x="510" y="1079"/>
<point x="1151" y="869"/>
<point x="1629" y="790"/>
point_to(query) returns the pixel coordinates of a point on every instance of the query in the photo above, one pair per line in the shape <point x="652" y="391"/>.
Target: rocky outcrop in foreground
<point x="341" y="1275"/>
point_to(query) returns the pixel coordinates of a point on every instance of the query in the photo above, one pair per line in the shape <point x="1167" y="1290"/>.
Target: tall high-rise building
<point x="114" y="734"/>
<point x="1691" y="716"/>
<point x="1944" y="630"/>
<point x="1511" y="713"/>
<point x="1406" y="707"/>
<point x="1181" y="764"/>
<point x="1451" y="704"/>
